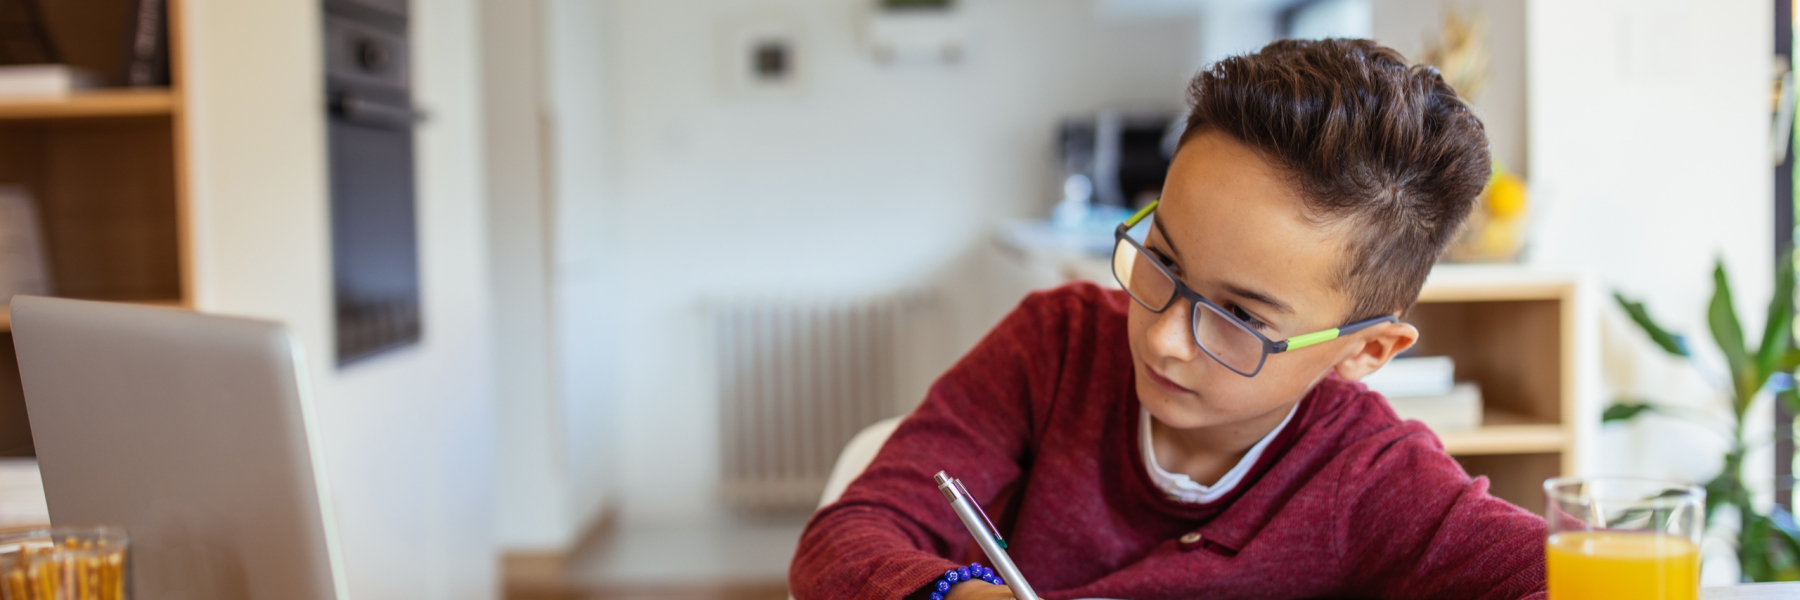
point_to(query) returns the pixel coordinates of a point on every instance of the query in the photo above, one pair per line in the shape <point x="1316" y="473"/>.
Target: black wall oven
<point x="374" y="224"/>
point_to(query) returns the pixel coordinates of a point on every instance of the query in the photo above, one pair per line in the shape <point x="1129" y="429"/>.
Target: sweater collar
<point x="1182" y="488"/>
<point x="1226" y="524"/>
<point x="1238" y="523"/>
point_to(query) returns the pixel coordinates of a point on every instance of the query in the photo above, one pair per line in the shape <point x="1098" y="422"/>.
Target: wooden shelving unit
<point x="1513" y="331"/>
<point x="105" y="169"/>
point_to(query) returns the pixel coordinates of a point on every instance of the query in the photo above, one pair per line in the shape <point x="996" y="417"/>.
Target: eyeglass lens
<point x="1220" y="336"/>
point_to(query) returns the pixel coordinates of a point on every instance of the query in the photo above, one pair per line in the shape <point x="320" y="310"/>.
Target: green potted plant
<point x="1768" y="544"/>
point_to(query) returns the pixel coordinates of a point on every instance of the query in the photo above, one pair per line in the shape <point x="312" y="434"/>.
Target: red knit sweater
<point x="1040" y="421"/>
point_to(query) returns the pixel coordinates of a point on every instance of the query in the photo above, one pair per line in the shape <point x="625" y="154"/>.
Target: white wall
<point x="1409" y="26"/>
<point x="1226" y="27"/>
<point x="532" y="492"/>
<point x="872" y="179"/>
<point x="583" y="241"/>
<point x="407" y="436"/>
<point x="548" y="186"/>
<point x="1648" y="136"/>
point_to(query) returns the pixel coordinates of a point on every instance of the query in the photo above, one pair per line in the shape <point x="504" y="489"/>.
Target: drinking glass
<point x="1615" y="537"/>
<point x="85" y="563"/>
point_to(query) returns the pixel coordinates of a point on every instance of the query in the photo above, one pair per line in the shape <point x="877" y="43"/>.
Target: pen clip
<point x="995" y="531"/>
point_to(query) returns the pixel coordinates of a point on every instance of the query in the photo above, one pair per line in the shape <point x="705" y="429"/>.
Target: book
<point x="147" y="50"/>
<point x="24" y="268"/>
<point x="1414" y="376"/>
<point x="1455" y="411"/>
<point x="43" y="80"/>
<point x="24" y="36"/>
<point x="22" y="494"/>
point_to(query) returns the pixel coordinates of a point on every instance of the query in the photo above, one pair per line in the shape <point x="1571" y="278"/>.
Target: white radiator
<point x="797" y="378"/>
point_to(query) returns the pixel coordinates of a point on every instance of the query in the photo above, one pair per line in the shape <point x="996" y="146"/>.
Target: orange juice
<point x="1602" y="565"/>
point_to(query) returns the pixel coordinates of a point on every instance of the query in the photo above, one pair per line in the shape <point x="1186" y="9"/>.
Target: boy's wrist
<point x="979" y="590"/>
<point x="946" y="586"/>
<point x="973" y="590"/>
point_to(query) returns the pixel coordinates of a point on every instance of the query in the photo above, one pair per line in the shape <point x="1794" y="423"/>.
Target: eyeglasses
<point x="1222" y="335"/>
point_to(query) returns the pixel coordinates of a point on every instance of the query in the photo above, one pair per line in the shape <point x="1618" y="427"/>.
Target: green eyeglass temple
<point x="1294" y="343"/>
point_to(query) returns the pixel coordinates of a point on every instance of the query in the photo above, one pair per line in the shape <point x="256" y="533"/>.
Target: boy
<point x="1128" y="448"/>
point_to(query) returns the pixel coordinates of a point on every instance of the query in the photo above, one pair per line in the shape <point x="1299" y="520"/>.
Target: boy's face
<point x="1237" y="233"/>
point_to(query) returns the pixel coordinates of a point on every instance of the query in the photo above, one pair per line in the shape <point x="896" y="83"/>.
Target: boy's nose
<point x="1172" y="333"/>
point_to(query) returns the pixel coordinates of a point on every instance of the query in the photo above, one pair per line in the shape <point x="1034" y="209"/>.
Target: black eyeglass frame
<point x="1122" y="235"/>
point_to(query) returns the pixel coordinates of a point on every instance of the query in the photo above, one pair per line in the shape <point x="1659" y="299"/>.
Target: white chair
<point x="856" y="457"/>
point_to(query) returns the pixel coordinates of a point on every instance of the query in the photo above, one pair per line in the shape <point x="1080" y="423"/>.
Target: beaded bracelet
<point x="961" y="574"/>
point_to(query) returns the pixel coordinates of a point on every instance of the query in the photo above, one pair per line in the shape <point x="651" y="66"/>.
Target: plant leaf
<point x="1777" y="338"/>
<point x="1669" y="342"/>
<point x="1791" y="397"/>
<point x="1721" y="318"/>
<point x="1753" y="549"/>
<point x="1626" y="411"/>
<point x="1787" y="540"/>
<point x="1718" y="492"/>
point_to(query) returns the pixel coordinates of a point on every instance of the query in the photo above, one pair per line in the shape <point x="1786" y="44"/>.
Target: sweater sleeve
<point x="1414" y="525"/>
<point x="891" y="532"/>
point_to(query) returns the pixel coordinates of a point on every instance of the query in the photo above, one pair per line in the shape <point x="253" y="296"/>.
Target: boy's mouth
<point x="1165" y="383"/>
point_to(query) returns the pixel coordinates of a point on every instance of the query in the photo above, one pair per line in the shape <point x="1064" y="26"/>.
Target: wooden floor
<point x="547" y="577"/>
<point x="749" y="591"/>
<point x="587" y="573"/>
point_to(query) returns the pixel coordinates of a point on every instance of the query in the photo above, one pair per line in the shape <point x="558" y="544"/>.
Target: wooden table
<point x="1755" y="591"/>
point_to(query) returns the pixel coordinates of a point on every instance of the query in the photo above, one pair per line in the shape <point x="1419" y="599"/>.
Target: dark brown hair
<point x="1384" y="147"/>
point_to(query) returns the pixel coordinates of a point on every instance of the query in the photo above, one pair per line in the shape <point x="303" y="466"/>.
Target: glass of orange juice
<point x="1615" y="537"/>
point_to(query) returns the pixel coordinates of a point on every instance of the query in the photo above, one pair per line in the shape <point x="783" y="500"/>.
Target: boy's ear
<point x="1378" y="345"/>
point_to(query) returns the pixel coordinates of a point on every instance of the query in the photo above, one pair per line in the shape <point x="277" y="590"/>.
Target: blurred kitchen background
<point x="649" y="264"/>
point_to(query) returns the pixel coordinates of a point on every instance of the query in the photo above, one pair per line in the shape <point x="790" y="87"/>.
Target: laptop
<point x="194" y="433"/>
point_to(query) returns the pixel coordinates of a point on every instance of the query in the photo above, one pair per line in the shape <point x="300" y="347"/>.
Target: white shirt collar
<point x="1182" y="488"/>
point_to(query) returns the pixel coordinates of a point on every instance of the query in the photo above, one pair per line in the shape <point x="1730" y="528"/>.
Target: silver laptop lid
<point x="191" y="431"/>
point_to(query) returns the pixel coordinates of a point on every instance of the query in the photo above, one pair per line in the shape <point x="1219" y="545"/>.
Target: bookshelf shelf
<point x="1506" y="439"/>
<point x="1492" y="283"/>
<point x="94" y="104"/>
<point x="6" y="311"/>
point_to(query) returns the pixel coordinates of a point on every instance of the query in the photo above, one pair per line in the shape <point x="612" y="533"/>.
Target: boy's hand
<point x="979" y="590"/>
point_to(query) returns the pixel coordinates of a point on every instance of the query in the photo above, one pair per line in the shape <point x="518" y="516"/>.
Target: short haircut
<point x="1369" y="141"/>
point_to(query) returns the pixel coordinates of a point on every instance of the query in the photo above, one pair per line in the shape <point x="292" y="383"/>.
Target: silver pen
<point x="986" y="535"/>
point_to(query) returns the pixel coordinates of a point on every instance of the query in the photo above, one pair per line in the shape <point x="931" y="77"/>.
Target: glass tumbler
<point x="85" y="563"/>
<point x="1615" y="537"/>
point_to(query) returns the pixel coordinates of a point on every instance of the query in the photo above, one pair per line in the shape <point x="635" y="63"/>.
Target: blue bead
<point x="943" y="586"/>
<point x="951" y="576"/>
<point x="963" y="573"/>
<point x="999" y="581"/>
<point x="986" y="572"/>
<point x="937" y="596"/>
<point x="975" y="566"/>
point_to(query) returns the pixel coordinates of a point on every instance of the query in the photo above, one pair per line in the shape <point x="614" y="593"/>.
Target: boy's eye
<point x="1247" y="318"/>
<point x="1163" y="258"/>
